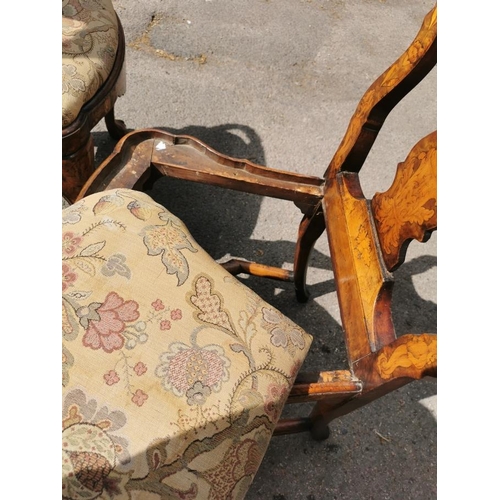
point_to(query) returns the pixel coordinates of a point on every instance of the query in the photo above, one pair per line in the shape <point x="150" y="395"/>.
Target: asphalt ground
<point x="276" y="81"/>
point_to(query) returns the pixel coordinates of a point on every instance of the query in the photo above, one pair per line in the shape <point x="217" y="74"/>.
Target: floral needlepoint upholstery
<point x="174" y="373"/>
<point x="89" y="44"/>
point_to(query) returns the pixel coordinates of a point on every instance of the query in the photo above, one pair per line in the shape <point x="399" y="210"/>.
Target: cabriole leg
<point x="310" y="229"/>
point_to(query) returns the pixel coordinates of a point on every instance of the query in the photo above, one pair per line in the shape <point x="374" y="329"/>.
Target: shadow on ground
<point x="368" y="449"/>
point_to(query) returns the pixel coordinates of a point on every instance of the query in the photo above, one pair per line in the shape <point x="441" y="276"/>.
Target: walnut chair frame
<point x="366" y="241"/>
<point x="77" y="141"/>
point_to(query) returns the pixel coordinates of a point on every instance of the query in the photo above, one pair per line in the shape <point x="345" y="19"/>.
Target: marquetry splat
<point x="367" y="238"/>
<point x="408" y="209"/>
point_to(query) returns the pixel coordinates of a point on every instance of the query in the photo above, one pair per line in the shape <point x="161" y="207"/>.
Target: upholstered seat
<point x="89" y="44"/>
<point x="93" y="77"/>
<point x="174" y="373"/>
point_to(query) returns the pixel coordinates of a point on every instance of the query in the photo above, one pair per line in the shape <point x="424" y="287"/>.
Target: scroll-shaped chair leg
<point x="116" y="128"/>
<point x="310" y="229"/>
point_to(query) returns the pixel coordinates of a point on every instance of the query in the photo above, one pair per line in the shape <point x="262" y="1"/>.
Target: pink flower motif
<point x="140" y="368"/>
<point x="68" y="277"/>
<point x="139" y="397"/>
<point x="275" y="399"/>
<point x="158" y="305"/>
<point x="111" y="377"/>
<point x="165" y="325"/>
<point x="70" y="243"/>
<point x="106" y="332"/>
<point x="295" y="369"/>
<point x="185" y="365"/>
<point x="176" y="314"/>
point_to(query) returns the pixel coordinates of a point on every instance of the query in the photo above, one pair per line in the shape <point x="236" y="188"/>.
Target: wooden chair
<point x="367" y="238"/>
<point x="93" y="78"/>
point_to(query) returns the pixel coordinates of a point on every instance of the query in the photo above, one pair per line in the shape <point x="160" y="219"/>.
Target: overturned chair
<point x="175" y="373"/>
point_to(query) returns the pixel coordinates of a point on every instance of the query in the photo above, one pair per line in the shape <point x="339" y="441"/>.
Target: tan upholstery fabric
<point x="89" y="44"/>
<point x="174" y="373"/>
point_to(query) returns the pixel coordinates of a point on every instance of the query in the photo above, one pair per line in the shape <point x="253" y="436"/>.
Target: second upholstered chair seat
<point x="93" y="76"/>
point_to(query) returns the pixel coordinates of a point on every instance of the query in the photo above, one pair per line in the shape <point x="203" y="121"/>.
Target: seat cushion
<point x="89" y="45"/>
<point x="174" y="372"/>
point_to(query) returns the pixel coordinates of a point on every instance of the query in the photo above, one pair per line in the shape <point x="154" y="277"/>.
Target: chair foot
<point x="302" y="294"/>
<point x="320" y="431"/>
<point x="116" y="128"/>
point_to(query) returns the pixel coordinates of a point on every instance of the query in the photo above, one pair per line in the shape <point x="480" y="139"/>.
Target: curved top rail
<point x="383" y="95"/>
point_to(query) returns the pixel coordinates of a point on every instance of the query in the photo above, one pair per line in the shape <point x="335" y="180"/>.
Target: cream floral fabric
<point x="174" y="373"/>
<point x="89" y="44"/>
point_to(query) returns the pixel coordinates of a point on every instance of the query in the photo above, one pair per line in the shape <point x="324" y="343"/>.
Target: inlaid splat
<point x="408" y="209"/>
<point x="367" y="238"/>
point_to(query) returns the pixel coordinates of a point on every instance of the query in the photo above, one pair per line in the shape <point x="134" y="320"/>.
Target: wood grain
<point x="408" y="209"/>
<point x="367" y="238"/>
<point x="379" y="100"/>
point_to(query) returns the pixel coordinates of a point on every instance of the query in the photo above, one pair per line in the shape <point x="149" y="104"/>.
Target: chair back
<point x="368" y="238"/>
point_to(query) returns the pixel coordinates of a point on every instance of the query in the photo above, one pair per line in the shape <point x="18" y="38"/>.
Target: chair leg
<point x="320" y="431"/>
<point x="76" y="169"/>
<point x="321" y="415"/>
<point x="310" y="229"/>
<point x="116" y="128"/>
<point x="154" y="175"/>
